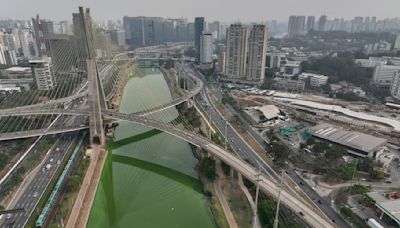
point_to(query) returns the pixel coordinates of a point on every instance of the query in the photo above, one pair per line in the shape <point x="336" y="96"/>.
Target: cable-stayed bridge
<point x="89" y="99"/>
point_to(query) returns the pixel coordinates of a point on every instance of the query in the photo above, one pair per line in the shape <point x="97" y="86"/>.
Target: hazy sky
<point x="223" y="10"/>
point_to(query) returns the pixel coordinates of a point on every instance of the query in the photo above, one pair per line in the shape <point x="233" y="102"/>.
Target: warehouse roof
<point x="269" y="111"/>
<point x="352" y="139"/>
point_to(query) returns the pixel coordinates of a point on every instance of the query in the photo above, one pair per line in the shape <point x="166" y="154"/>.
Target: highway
<point x="32" y="191"/>
<point x="244" y="151"/>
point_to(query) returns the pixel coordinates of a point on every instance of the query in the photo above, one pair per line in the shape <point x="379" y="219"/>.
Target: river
<point x="149" y="179"/>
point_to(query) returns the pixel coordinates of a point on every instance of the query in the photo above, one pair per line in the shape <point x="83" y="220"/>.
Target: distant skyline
<point x="222" y="10"/>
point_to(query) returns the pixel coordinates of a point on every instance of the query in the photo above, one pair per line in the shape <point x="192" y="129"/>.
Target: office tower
<point x="206" y="48"/>
<point x="199" y="27"/>
<point x="42" y="72"/>
<point x="296" y="25"/>
<point x="26" y="40"/>
<point x="65" y="28"/>
<point x="322" y="22"/>
<point x="145" y="31"/>
<point x="236" y="51"/>
<point x="310" y="23"/>
<point x="118" y="36"/>
<point x="257" y="53"/>
<point x="42" y="28"/>
<point x="214" y="28"/>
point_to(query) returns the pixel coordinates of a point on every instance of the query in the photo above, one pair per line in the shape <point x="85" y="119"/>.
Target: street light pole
<point x="276" y="221"/>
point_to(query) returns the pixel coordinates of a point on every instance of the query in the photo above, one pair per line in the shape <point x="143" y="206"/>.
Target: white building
<point x="236" y="51"/>
<point x="257" y="53"/>
<point x="41" y="69"/>
<point x="383" y="74"/>
<point x="371" y="62"/>
<point x="206" y="48"/>
<point x="291" y="68"/>
<point x="316" y="80"/>
<point x="395" y="87"/>
<point x="397" y="43"/>
<point x="2" y="56"/>
<point x="276" y="59"/>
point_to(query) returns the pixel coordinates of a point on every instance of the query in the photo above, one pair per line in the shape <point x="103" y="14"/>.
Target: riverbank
<point x="84" y="200"/>
<point x="171" y="77"/>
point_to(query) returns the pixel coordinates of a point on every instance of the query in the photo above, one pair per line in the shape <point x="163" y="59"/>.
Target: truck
<point x="373" y="223"/>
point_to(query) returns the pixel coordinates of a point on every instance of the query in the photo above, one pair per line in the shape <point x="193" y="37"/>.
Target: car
<point x="301" y="183"/>
<point x="57" y="149"/>
<point x="333" y="220"/>
<point x="319" y="201"/>
<point x="35" y="195"/>
<point x="51" y="160"/>
<point x="388" y="182"/>
<point x="48" y="166"/>
<point x="287" y="172"/>
<point x="301" y="213"/>
<point x="9" y="216"/>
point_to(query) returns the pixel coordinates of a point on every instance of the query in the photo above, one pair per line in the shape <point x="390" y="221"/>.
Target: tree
<point x="378" y="174"/>
<point x="73" y="184"/>
<point x="335" y="152"/>
<point x="208" y="168"/>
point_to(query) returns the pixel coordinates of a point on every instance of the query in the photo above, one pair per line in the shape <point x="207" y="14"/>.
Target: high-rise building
<point x="199" y="27"/>
<point x="42" y="28"/>
<point x="2" y="56"/>
<point x="395" y="87"/>
<point x="397" y="43"/>
<point x="296" y="25"/>
<point x="10" y="57"/>
<point x="310" y="23"/>
<point x="41" y="70"/>
<point x="257" y="53"/>
<point x="206" y="48"/>
<point x="221" y="62"/>
<point x="145" y="31"/>
<point x="236" y="51"/>
<point x="65" y="27"/>
<point x="214" y="28"/>
<point x="322" y="22"/>
<point x="118" y="36"/>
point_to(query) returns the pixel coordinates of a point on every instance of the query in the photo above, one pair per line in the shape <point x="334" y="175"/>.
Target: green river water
<point x="149" y="179"/>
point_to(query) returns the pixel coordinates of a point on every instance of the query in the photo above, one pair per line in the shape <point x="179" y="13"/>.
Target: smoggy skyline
<point x="223" y="10"/>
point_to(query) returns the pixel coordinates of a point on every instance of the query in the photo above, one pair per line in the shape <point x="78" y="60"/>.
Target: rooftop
<point x="17" y="69"/>
<point x="269" y="111"/>
<point x="352" y="139"/>
<point x="390" y="206"/>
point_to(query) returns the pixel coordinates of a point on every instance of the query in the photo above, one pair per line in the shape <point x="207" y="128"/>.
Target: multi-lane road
<point x="246" y="152"/>
<point x="30" y="194"/>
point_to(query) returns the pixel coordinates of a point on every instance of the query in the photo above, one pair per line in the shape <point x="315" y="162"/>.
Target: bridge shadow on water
<point x="169" y="173"/>
<point x="112" y="145"/>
